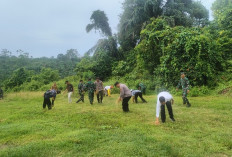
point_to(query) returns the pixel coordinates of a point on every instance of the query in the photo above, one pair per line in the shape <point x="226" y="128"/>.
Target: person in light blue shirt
<point x="136" y="94"/>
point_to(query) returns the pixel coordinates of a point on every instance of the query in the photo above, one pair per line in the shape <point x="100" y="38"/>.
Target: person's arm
<point x="72" y="89"/>
<point x="172" y="101"/>
<point x="133" y="99"/>
<point x="157" y="112"/>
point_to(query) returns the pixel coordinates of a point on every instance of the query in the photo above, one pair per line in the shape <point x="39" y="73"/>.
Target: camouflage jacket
<point x="184" y="83"/>
<point x="81" y="87"/>
<point x="90" y="86"/>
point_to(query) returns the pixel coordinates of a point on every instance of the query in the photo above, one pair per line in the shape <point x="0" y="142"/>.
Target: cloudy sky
<point x="49" y="27"/>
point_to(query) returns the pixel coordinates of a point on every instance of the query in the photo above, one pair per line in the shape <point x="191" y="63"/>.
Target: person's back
<point x="90" y="86"/>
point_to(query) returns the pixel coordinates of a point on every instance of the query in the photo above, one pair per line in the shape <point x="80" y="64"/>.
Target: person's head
<point x="81" y="81"/>
<point x="182" y="75"/>
<point x="97" y="79"/>
<point x="162" y="100"/>
<point x="111" y="87"/>
<point x="54" y="84"/>
<point x="66" y="82"/>
<point x="117" y="84"/>
<point x="89" y="79"/>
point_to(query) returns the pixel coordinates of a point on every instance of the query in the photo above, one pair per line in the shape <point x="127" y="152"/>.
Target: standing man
<point x="164" y="98"/>
<point x="70" y="90"/>
<point x="136" y="94"/>
<point x="125" y="95"/>
<point x="99" y="89"/>
<point x="81" y="89"/>
<point x="90" y="86"/>
<point x="142" y="87"/>
<point x="1" y="93"/>
<point x="184" y="83"/>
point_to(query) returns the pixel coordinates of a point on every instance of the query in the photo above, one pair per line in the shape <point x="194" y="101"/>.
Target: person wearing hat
<point x="90" y="86"/>
<point x="136" y="94"/>
<point x="81" y="89"/>
<point x="184" y="83"/>
<point x="70" y="90"/>
<point x="125" y="95"/>
<point x="164" y="98"/>
<point x="99" y="89"/>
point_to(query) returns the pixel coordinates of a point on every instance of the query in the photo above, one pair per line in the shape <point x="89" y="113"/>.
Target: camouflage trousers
<point x="91" y="97"/>
<point x="82" y="97"/>
<point x="184" y="97"/>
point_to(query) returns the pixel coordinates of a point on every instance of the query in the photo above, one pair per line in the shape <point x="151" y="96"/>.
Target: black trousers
<point x="125" y="105"/>
<point x="169" y="106"/>
<point x="139" y="94"/>
<point x="100" y="96"/>
<point x="47" y="102"/>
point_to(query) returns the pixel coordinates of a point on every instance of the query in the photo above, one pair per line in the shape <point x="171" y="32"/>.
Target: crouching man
<point x="47" y="95"/>
<point x="164" y="98"/>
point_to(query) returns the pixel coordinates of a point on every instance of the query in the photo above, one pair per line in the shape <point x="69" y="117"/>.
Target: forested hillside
<point x="156" y="40"/>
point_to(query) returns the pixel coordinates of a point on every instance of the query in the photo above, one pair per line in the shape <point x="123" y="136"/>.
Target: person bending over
<point x="125" y="95"/>
<point x="136" y="94"/>
<point x="164" y="99"/>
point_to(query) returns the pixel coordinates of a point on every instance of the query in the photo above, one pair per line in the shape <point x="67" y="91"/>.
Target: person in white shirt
<point x="108" y="90"/>
<point x="164" y="98"/>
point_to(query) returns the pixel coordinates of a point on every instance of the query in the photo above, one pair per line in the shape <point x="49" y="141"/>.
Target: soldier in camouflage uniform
<point x="81" y="89"/>
<point x="184" y="83"/>
<point x="90" y="86"/>
<point x="142" y="88"/>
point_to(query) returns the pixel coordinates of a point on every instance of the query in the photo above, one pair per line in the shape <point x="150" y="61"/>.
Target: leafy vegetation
<point x="157" y="40"/>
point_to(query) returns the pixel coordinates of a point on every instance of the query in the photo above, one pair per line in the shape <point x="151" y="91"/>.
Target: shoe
<point x="172" y="119"/>
<point x="188" y="105"/>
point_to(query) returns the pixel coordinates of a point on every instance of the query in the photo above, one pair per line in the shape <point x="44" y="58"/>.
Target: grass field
<point x="26" y="129"/>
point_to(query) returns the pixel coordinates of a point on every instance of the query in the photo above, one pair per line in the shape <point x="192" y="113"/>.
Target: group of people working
<point x="163" y="98"/>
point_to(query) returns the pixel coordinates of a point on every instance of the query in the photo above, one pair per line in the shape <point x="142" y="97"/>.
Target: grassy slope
<point x="104" y="130"/>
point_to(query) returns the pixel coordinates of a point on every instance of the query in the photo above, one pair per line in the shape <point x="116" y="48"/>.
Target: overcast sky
<point x="49" y="27"/>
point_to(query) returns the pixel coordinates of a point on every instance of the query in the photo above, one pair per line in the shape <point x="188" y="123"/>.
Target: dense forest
<point x="156" y="40"/>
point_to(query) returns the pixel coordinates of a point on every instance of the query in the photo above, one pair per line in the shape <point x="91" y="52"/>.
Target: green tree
<point x="99" y="22"/>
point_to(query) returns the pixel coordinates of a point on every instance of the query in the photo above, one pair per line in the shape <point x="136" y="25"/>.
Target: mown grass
<point x="26" y="129"/>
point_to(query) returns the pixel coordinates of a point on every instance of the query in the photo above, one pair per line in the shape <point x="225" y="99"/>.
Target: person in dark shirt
<point x="70" y="90"/>
<point x="47" y="95"/>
